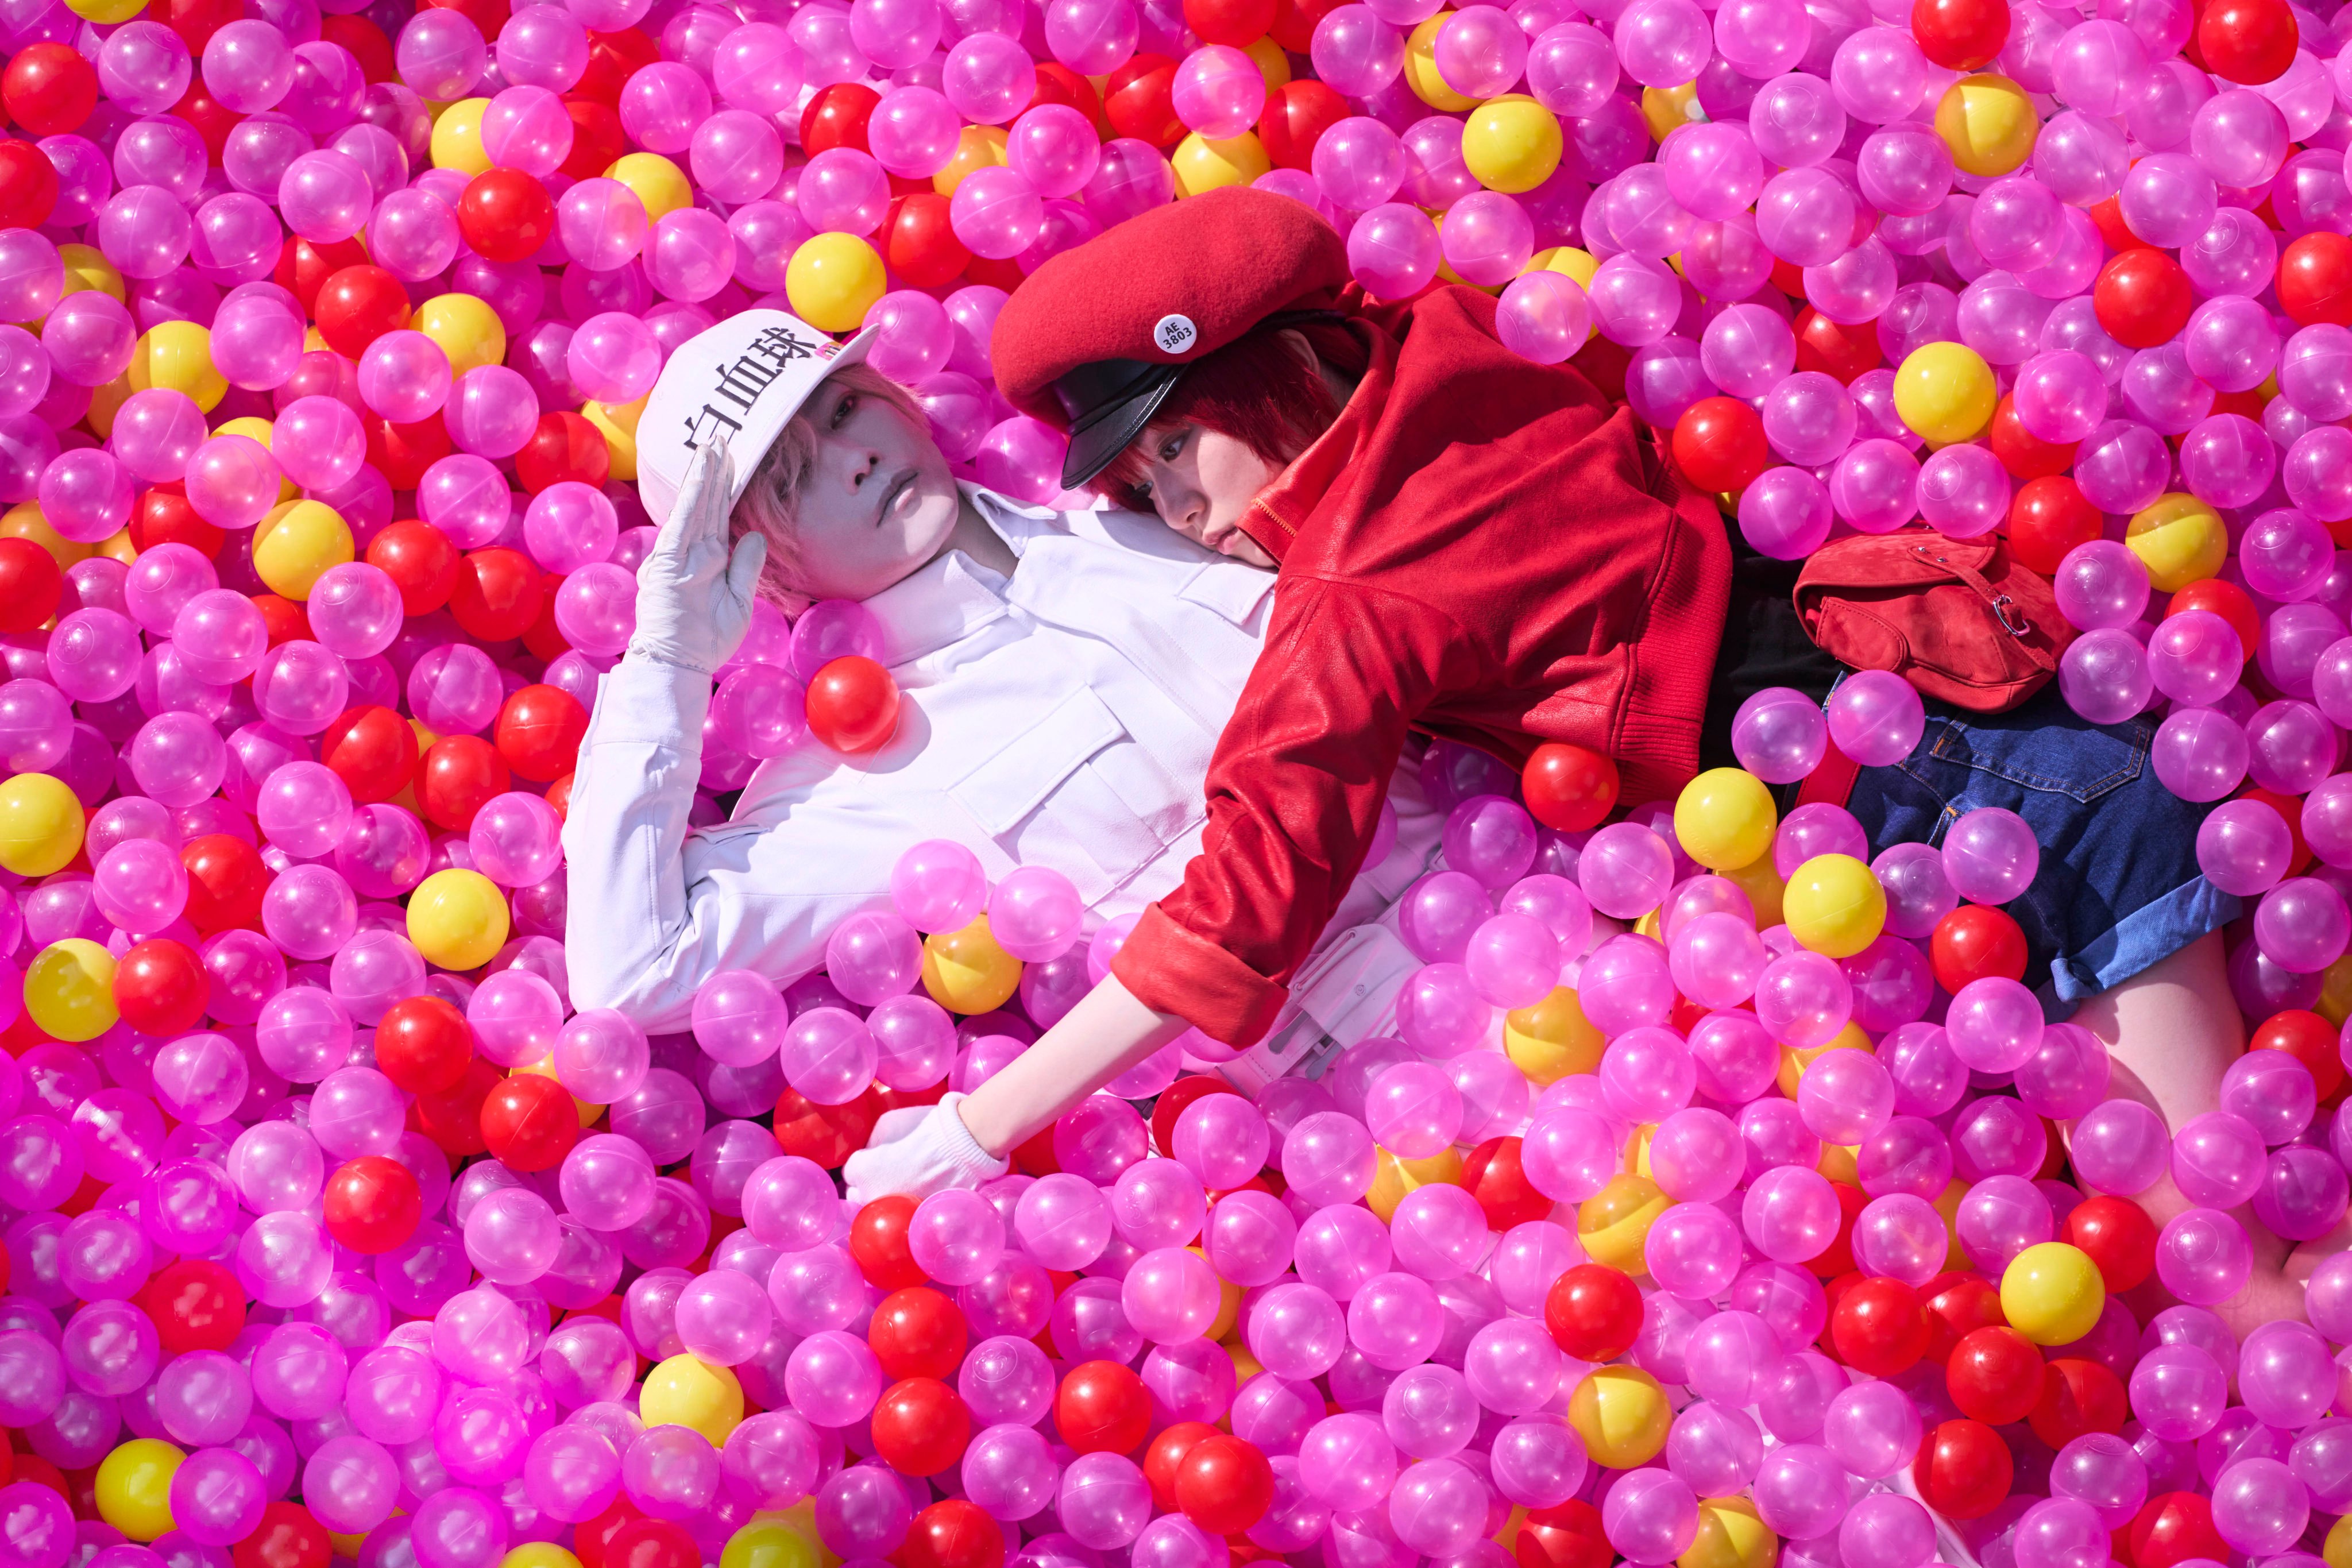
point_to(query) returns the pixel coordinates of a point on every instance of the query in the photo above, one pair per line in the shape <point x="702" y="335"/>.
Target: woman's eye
<point x="1142" y="493"/>
<point x="1170" y="447"/>
<point x="842" y="409"/>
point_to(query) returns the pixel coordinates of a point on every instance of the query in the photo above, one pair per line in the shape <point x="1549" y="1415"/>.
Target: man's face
<point x="878" y="500"/>
<point x="1201" y="482"/>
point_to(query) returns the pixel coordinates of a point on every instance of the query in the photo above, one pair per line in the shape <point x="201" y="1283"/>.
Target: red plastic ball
<point x="366" y="43"/>
<point x="2078" y="1397"/>
<point x="920" y="1427"/>
<point x="652" y="1544"/>
<point x="951" y="1533"/>
<point x="1165" y="1456"/>
<point x="1834" y="348"/>
<point x="1570" y="788"/>
<point x="164" y="516"/>
<point x="506" y="215"/>
<point x="2248" y="42"/>
<point x="454" y="1120"/>
<point x="919" y="244"/>
<point x="838" y="117"/>
<point x="530" y="1123"/>
<point x="591" y="1537"/>
<point x="1719" y="444"/>
<point x="563" y="446"/>
<point x="424" y="1045"/>
<point x="1837" y="1258"/>
<point x="287" y="620"/>
<point x="2047" y="517"/>
<point x="613" y="59"/>
<point x="1296" y="114"/>
<point x="1233" y="23"/>
<point x="30" y="583"/>
<point x="1492" y="1173"/>
<point x="1224" y="1484"/>
<point x="358" y="305"/>
<point x="2173" y="1526"/>
<point x="1593" y="1312"/>
<point x="827" y="1134"/>
<point x="878" y="1240"/>
<point x="401" y="453"/>
<point x="853" y="704"/>
<point x="1139" y="99"/>
<point x="161" y="987"/>
<point x="2227" y="600"/>
<point x="370" y="1204"/>
<point x="195" y="20"/>
<point x="373" y="750"/>
<point x="1958" y="1305"/>
<point x="1058" y="84"/>
<point x="1880" y="1328"/>
<point x="458" y="775"/>
<point x="420" y="561"/>
<point x="2026" y="455"/>
<point x="287" y="1537"/>
<point x="2315" y="279"/>
<point x="2143" y="298"/>
<point x="539" y="732"/>
<point x="305" y="265"/>
<point x="196" y="1306"/>
<point x="29" y="185"/>
<point x="1994" y="1376"/>
<point x="49" y="88"/>
<point x="496" y="596"/>
<point x="598" y="139"/>
<point x="2310" y="1039"/>
<point x="1960" y="34"/>
<point x="2117" y="1237"/>
<point x="918" y="1333"/>
<point x="1102" y="1407"/>
<point x="1963" y="1470"/>
<point x="226" y="882"/>
<point x="1568" y="1536"/>
<point x="1974" y="941"/>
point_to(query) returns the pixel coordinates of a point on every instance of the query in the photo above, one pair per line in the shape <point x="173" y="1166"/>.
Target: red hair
<point x="1256" y="390"/>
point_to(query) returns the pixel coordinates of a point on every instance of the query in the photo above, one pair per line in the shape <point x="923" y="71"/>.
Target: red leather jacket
<point x="1481" y="548"/>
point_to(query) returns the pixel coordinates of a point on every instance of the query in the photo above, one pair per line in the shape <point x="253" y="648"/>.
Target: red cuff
<point x="1171" y="970"/>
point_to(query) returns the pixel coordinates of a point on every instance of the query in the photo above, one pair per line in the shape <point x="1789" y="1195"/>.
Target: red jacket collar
<point x="1281" y="509"/>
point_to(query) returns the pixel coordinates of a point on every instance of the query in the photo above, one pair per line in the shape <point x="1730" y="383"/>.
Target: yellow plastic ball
<point x="1724" y="818"/>
<point x="539" y="1554"/>
<point x="2334" y="1003"/>
<point x="966" y="971"/>
<point x="87" y="268"/>
<point x="1834" y="905"/>
<point x="105" y="12"/>
<point x="297" y="543"/>
<point x="1271" y="62"/>
<point x="24" y="521"/>
<point x="1394" y="1179"/>
<point x="457" y="919"/>
<point x="832" y="280"/>
<point x="2337" y="1551"/>
<point x="69" y="990"/>
<point x="685" y="1390"/>
<point x="2180" y="541"/>
<point x="659" y="183"/>
<point x="457" y="137"/>
<point x="41" y="824"/>
<point x="1765" y="888"/>
<point x="1729" y="1536"/>
<point x="1622" y="1415"/>
<point x="1421" y="72"/>
<point x="767" y="1543"/>
<point x="1989" y="124"/>
<point x="2053" y="1293"/>
<point x="134" y="1488"/>
<point x="1579" y="265"/>
<point x="1667" y="110"/>
<point x="1614" y="1223"/>
<point x="1511" y="143"/>
<point x="1201" y="164"/>
<point x="976" y="147"/>
<point x="1945" y="392"/>
<point x="466" y="330"/>
<point x="178" y="356"/>
<point x="618" y="421"/>
<point x="1552" y="1040"/>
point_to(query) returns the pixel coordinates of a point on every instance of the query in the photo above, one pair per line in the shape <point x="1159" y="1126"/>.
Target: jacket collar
<point x="947" y="600"/>
<point x="1280" y="511"/>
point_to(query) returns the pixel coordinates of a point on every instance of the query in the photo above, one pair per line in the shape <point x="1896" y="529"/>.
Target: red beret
<point x="1120" y="315"/>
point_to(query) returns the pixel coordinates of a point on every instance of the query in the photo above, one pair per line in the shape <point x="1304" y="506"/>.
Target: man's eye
<point x="1142" y="494"/>
<point x="1170" y="448"/>
<point x="842" y="409"/>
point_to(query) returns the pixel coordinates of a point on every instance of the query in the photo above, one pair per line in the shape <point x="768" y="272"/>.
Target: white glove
<point x="919" y="1151"/>
<point x="694" y="603"/>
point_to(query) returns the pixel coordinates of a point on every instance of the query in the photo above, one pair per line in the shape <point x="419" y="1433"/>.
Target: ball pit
<point x="332" y="1232"/>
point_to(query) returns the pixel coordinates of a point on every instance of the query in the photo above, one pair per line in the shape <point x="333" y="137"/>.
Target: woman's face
<point x="878" y="502"/>
<point x="1201" y="482"/>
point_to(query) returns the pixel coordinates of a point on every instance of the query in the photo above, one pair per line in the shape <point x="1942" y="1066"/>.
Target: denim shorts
<point x="2119" y="888"/>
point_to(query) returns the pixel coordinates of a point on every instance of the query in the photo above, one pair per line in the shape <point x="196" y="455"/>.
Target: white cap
<point x="739" y="384"/>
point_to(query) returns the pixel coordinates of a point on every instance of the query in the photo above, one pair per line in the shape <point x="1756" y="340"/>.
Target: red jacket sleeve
<point x="1294" y="792"/>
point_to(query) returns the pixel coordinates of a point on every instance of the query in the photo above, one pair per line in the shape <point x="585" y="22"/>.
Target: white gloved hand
<point x="919" y="1151"/>
<point x="694" y="601"/>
